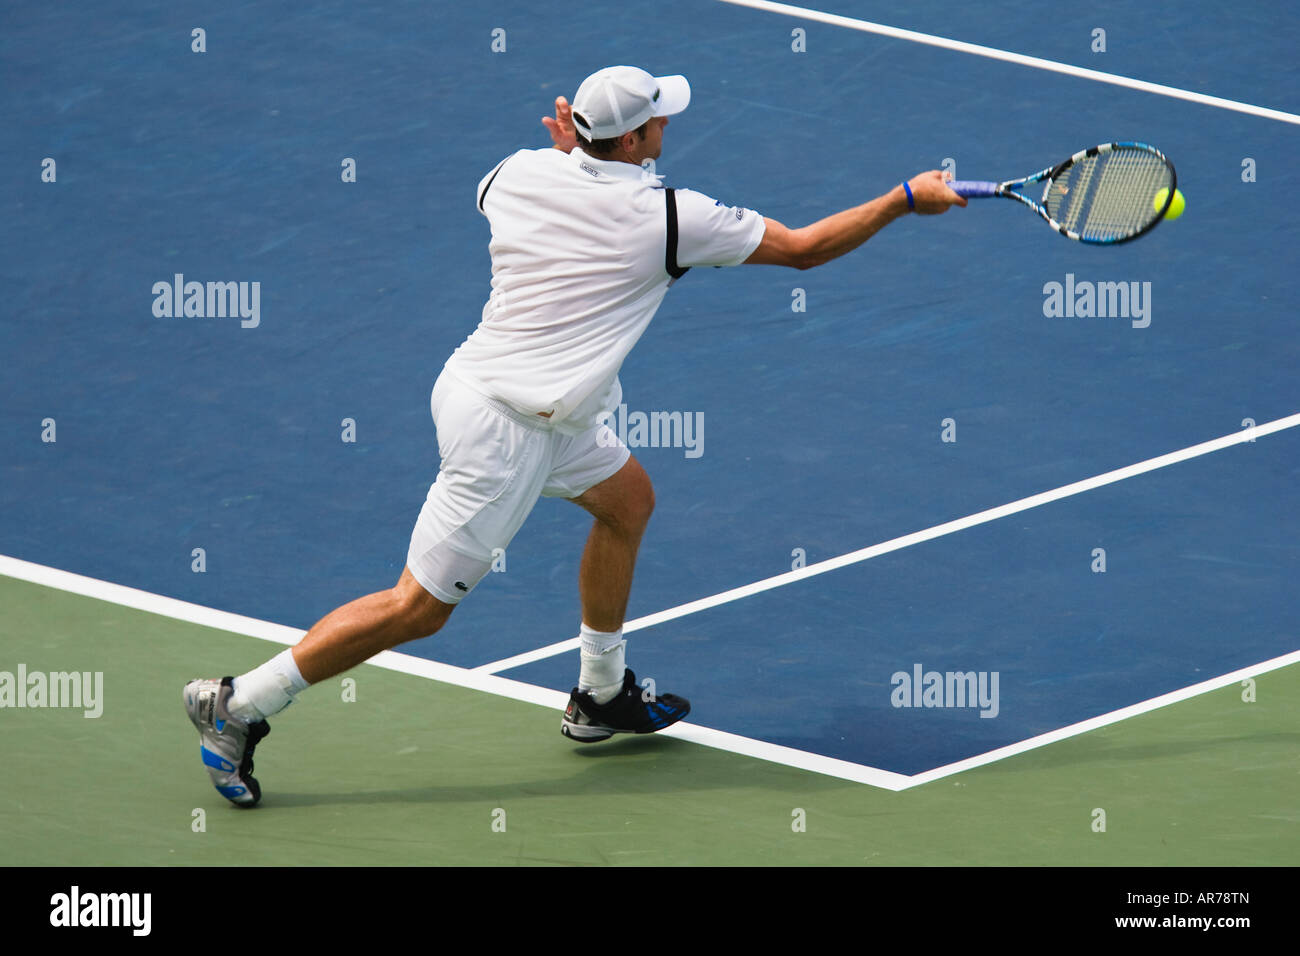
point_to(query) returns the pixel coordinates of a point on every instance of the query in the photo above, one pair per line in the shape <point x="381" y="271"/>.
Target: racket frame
<point x="1011" y="190"/>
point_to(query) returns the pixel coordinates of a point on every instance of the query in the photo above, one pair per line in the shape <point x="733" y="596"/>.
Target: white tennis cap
<point x="618" y="99"/>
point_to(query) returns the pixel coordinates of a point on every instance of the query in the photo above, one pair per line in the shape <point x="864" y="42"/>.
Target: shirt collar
<point x="614" y="169"/>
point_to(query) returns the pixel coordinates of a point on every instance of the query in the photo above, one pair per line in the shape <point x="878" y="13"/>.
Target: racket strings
<point x="1120" y="201"/>
<point x="1070" y="192"/>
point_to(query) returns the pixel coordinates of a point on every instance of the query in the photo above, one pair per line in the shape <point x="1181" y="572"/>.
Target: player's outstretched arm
<point x="843" y="232"/>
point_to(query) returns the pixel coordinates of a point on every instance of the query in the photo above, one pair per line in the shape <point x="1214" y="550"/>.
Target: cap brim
<point x="674" y="95"/>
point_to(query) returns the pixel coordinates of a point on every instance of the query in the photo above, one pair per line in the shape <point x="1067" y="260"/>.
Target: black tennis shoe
<point x="633" y="711"/>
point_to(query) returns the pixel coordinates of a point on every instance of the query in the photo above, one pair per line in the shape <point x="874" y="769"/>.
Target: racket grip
<point x="973" y="189"/>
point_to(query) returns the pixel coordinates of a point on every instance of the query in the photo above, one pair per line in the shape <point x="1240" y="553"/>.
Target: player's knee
<point x="637" y="504"/>
<point x="647" y="503"/>
<point x="624" y="502"/>
<point x="431" y="615"/>
<point x="419" y="611"/>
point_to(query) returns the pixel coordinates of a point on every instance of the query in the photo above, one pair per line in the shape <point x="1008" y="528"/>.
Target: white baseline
<point x="555" y="700"/>
<point x="1037" y="63"/>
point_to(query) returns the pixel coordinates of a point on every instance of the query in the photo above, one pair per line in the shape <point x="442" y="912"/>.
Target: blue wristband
<point x="908" y="189"/>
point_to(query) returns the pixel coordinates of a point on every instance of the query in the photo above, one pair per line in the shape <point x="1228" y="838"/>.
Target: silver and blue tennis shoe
<point x="226" y="743"/>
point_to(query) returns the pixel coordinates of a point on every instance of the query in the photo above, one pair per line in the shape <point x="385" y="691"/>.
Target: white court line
<point x="555" y="700"/>
<point x="1032" y="61"/>
<point x="1115" y="716"/>
<point x="939" y="530"/>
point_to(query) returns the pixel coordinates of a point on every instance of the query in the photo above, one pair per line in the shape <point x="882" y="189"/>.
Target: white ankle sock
<point x="267" y="690"/>
<point x="602" y="664"/>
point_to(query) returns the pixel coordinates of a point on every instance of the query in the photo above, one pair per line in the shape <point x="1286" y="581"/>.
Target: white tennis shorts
<point x="496" y="463"/>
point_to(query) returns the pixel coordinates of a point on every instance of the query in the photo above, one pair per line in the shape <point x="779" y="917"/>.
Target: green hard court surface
<point x="414" y="772"/>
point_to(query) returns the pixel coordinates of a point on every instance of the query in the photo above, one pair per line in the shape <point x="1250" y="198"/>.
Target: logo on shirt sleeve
<point x="740" y="213"/>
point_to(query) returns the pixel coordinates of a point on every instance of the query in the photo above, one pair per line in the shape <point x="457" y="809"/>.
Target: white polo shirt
<point x="578" y="271"/>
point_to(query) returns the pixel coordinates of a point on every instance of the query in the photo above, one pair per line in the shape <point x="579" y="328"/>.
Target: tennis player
<point x="585" y="243"/>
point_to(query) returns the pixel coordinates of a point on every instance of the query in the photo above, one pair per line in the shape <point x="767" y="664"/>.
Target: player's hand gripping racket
<point x="1101" y="195"/>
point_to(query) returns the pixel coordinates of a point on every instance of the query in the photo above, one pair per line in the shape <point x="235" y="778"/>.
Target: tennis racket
<point x="1101" y="195"/>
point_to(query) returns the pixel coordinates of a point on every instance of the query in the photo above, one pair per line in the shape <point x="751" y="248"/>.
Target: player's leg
<point x="492" y="472"/>
<point x="621" y="506"/>
<point x="231" y="713"/>
<point x="359" y="630"/>
<point x="338" y="642"/>
<point x="614" y="488"/>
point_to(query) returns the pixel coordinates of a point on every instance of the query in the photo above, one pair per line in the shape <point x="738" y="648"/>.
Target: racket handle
<point x="973" y="189"/>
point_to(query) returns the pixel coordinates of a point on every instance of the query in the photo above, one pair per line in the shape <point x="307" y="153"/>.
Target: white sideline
<point x="865" y="26"/>
<point x="916" y="537"/>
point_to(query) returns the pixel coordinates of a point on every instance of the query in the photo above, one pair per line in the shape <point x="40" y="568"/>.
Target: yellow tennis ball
<point x="1175" y="208"/>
